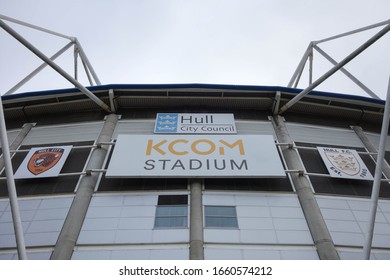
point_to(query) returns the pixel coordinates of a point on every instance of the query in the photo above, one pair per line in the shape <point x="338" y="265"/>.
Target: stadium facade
<point x="254" y="185"/>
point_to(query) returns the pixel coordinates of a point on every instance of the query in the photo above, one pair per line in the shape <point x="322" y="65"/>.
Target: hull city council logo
<point x="45" y="159"/>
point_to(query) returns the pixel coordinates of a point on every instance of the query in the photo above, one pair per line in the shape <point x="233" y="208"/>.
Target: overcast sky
<point x="241" y="42"/>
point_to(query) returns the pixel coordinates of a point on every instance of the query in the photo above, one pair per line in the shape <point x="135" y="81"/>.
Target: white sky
<point x="241" y="42"/>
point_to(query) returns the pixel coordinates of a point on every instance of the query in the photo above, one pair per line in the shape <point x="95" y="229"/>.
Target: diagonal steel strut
<point x="57" y="68"/>
<point x="335" y="69"/>
<point x="346" y="72"/>
<point x="38" y="69"/>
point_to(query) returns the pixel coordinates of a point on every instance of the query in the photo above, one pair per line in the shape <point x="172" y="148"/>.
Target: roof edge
<point x="15" y="97"/>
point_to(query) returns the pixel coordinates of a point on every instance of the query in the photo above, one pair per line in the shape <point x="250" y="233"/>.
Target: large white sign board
<point x="43" y="162"/>
<point x="195" y="156"/>
<point x="344" y="163"/>
<point x="176" y="123"/>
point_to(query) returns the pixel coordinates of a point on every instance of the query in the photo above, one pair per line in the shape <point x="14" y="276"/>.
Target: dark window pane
<point x="172" y="199"/>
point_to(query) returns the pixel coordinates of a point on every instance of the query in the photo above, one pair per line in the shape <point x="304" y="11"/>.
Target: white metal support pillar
<point x="79" y="207"/>
<point x="85" y="60"/>
<point x="36" y="27"/>
<point x="311" y="56"/>
<point x="87" y="73"/>
<point x="315" y="221"/>
<point x="353" y="31"/>
<point x="377" y="178"/>
<point x="301" y="66"/>
<point x="75" y="59"/>
<point x="196" y="220"/>
<point x="9" y="173"/>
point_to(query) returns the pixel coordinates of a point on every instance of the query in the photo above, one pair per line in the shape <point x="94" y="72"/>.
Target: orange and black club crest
<point x="43" y="160"/>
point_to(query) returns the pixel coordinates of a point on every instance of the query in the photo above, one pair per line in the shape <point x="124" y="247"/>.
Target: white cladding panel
<point x="221" y="252"/>
<point x="354" y="254"/>
<point x="158" y="252"/>
<point x="44" y="255"/>
<point x="42" y="220"/>
<point x="262" y="219"/>
<point x="134" y="127"/>
<point x="63" y="134"/>
<point x="255" y="128"/>
<point x="323" y="135"/>
<point x="347" y="220"/>
<point x="126" y="219"/>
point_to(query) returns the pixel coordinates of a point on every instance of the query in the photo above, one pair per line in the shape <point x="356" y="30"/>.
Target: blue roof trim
<point x="193" y="86"/>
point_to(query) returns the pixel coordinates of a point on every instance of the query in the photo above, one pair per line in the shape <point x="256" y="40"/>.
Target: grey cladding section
<point x="63" y="134"/>
<point x="323" y="135"/>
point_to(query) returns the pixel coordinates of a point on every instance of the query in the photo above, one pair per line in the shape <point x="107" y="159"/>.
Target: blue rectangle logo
<point x="166" y="123"/>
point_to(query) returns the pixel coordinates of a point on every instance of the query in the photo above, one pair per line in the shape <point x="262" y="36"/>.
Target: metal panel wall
<point x="262" y="218"/>
<point x="347" y="220"/>
<point x="273" y="219"/>
<point x="323" y="135"/>
<point x="63" y="134"/>
<point x="42" y="220"/>
<point x="232" y="252"/>
<point x="134" y="127"/>
<point x="255" y="127"/>
<point x="158" y="252"/>
<point x="126" y="219"/>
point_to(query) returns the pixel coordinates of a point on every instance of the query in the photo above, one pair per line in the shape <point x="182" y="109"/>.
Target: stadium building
<point x="180" y="210"/>
<point x="192" y="171"/>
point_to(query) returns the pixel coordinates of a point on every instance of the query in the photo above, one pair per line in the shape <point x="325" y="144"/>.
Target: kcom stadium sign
<point x="195" y="156"/>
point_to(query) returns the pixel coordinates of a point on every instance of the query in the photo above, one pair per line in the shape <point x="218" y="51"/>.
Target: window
<point x="221" y="217"/>
<point x="172" y="211"/>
